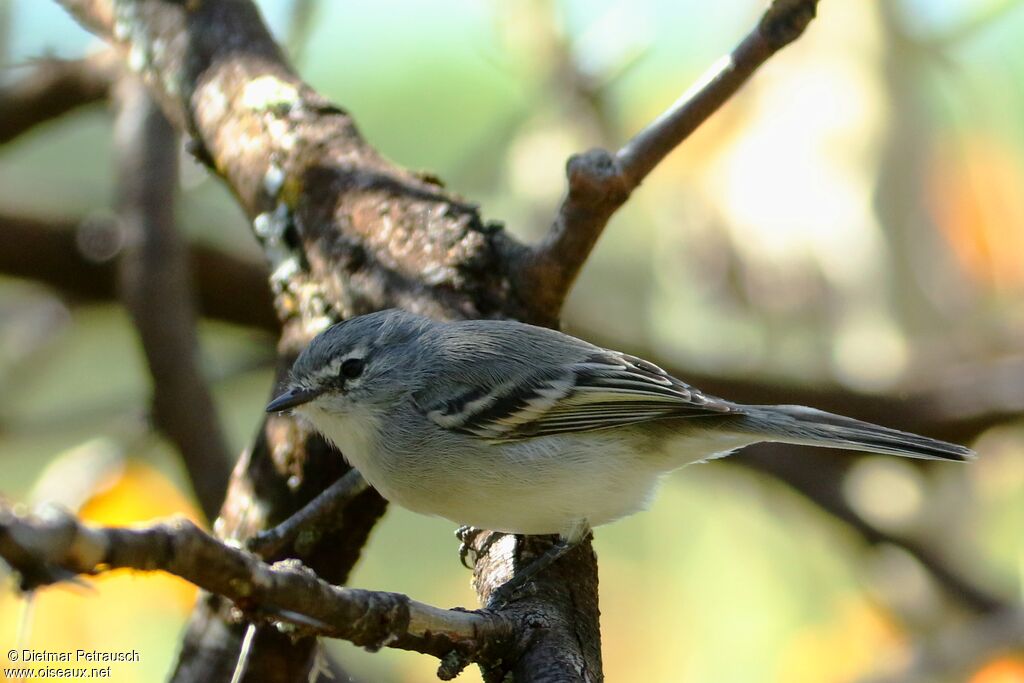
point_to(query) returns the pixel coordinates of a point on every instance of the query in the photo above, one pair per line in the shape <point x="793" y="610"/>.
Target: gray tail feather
<point x="808" y="426"/>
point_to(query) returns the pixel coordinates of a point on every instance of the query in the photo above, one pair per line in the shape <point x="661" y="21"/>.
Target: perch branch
<point x="49" y="88"/>
<point x="53" y="546"/>
<point x="600" y="182"/>
<point x="156" y="288"/>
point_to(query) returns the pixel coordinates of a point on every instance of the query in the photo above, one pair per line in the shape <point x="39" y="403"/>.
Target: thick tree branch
<point x="156" y="288"/>
<point x="600" y="182"/>
<point x="54" y="546"/>
<point x="50" y="88"/>
<point x="344" y="231"/>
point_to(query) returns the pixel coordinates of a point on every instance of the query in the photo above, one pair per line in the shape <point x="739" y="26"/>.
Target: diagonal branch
<point x="50" y="88"/>
<point x="600" y="182"/>
<point x="819" y="478"/>
<point x="53" y="546"/>
<point x="345" y="232"/>
<point x="156" y="289"/>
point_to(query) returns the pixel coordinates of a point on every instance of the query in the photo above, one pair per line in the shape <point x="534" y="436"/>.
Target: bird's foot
<point x="467" y="535"/>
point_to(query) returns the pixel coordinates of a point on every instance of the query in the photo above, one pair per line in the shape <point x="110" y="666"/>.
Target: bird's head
<point x="367" y="362"/>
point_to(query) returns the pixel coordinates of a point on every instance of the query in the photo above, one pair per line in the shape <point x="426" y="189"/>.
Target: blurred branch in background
<point x="820" y="479"/>
<point x="601" y="182"/>
<point x="155" y="286"/>
<point x="959" y="650"/>
<point x="48" y="88"/>
<point x="77" y="258"/>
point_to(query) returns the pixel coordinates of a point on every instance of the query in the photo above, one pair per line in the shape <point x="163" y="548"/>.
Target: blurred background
<point x="851" y="225"/>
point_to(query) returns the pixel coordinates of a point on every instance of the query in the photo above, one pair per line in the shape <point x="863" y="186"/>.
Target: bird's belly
<point x="546" y="485"/>
<point x="539" y="486"/>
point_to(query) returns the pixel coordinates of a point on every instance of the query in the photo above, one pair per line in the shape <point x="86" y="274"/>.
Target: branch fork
<point x="288" y="155"/>
<point x="600" y="182"/>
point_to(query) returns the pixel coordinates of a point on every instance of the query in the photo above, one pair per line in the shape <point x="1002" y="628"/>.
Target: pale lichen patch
<point x="269" y="93"/>
<point x="273" y="180"/>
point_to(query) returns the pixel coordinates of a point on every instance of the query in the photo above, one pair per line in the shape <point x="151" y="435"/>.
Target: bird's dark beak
<point x="295" y="396"/>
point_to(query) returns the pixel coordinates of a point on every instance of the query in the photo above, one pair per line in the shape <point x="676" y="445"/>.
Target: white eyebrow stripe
<point x="334" y="367"/>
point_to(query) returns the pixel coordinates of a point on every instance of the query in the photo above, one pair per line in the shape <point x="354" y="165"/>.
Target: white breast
<point x="354" y="432"/>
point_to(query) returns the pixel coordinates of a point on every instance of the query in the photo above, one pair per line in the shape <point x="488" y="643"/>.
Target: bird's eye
<point x="352" y="368"/>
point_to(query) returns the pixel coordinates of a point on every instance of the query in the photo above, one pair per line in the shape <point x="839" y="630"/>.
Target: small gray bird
<point x="505" y="426"/>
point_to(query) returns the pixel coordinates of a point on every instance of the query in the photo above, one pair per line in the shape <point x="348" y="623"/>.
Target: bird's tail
<point x="808" y="426"/>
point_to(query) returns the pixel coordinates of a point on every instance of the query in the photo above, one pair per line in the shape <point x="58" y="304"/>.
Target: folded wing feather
<point x="606" y="389"/>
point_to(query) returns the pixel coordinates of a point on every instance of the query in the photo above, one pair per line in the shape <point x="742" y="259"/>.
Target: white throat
<point x="353" y="431"/>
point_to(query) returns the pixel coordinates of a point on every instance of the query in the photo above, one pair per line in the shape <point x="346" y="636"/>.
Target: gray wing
<point x="605" y="389"/>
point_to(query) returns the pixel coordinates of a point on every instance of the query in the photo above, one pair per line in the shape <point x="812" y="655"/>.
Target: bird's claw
<point x="467" y="535"/>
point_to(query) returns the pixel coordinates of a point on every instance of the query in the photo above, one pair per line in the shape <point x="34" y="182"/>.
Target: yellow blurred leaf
<point x="141" y="493"/>
<point x="125" y="610"/>
<point x="974" y="197"/>
<point x="1002" y="670"/>
<point x="846" y="648"/>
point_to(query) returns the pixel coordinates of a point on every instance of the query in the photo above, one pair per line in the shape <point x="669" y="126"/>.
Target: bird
<point x="520" y="429"/>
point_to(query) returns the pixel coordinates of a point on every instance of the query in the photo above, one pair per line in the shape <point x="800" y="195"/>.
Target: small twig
<point x="52" y="87"/>
<point x="243" y="654"/>
<point x="328" y="504"/>
<point x="44" y="547"/>
<point x="156" y="289"/>
<point x="599" y="182"/>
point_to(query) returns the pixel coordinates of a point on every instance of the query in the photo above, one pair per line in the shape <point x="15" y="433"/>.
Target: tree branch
<point x="327" y="507"/>
<point x="156" y="289"/>
<point x="77" y="258"/>
<point x="345" y="232"/>
<point x="73" y="257"/>
<point x="600" y="182"/>
<point x="54" y="546"/>
<point x="50" y="88"/>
